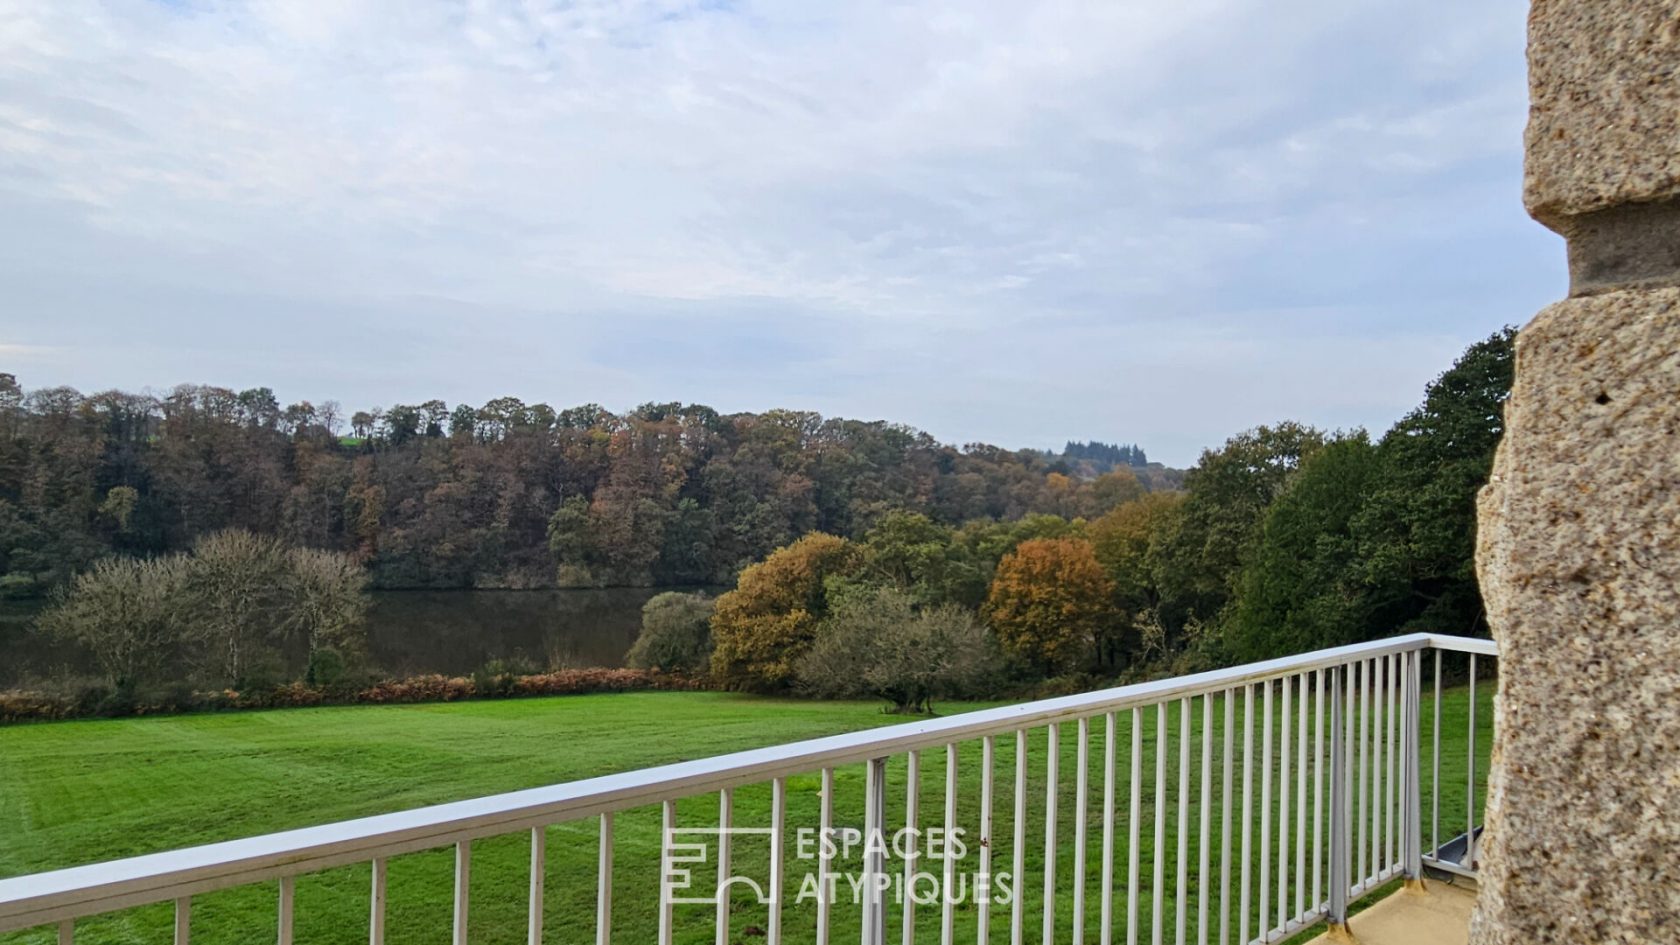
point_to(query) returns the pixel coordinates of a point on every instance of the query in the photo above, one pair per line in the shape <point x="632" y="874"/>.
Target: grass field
<point x="80" y="792"/>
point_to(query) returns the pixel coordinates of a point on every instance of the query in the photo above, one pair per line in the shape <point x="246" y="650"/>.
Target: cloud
<point x="995" y="220"/>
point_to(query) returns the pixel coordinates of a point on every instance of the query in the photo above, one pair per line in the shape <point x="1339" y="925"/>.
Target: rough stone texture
<point x="1579" y="556"/>
<point x="1604" y="113"/>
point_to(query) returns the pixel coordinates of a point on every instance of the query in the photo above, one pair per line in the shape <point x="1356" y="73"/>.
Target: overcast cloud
<point x="1158" y="221"/>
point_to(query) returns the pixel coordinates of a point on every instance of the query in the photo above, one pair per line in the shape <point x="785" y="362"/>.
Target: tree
<point x="914" y="553"/>
<point x="236" y="604"/>
<point x="127" y="613"/>
<point x="676" y="634"/>
<point x="325" y="602"/>
<point x="1048" y="602"/>
<point x="1198" y="561"/>
<point x="1301" y="589"/>
<point x="1123" y="541"/>
<point x="232" y="588"/>
<point x="1417" y="532"/>
<point x="877" y="642"/>
<point x="762" y="627"/>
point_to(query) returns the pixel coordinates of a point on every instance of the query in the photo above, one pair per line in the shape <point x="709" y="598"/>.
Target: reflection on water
<point x="455" y="632"/>
<point x="414" y="632"/>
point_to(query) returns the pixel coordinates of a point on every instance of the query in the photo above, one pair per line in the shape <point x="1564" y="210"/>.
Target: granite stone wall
<point x="1579" y="537"/>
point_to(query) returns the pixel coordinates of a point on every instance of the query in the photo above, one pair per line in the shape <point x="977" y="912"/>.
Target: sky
<point x="1151" y="221"/>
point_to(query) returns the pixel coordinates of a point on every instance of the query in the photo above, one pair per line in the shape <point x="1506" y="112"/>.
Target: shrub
<point x="100" y="700"/>
<point x="498" y="677"/>
<point x="877" y="643"/>
<point x="676" y="634"/>
<point x="326" y="668"/>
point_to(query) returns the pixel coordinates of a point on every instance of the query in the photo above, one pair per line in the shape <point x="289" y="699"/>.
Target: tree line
<point x="508" y="494"/>
<point x="1284" y="539"/>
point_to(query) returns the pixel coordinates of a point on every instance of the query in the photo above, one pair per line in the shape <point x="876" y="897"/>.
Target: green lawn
<point x="80" y="792"/>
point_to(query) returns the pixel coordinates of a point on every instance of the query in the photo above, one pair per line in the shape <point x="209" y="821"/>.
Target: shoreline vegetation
<point x="96" y="702"/>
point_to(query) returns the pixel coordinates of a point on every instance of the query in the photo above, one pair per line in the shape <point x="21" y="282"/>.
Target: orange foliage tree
<point x="762" y="627"/>
<point x="1048" y="601"/>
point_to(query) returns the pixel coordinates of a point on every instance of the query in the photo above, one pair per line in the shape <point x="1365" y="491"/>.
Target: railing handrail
<point x="50" y="896"/>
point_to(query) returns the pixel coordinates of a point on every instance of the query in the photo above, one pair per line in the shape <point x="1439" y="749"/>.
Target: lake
<point x="414" y="632"/>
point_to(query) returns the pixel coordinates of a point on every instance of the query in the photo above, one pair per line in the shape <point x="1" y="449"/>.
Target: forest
<point x="507" y="495"/>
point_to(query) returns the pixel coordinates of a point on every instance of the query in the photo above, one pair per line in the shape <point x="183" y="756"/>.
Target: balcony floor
<point x="1438" y="915"/>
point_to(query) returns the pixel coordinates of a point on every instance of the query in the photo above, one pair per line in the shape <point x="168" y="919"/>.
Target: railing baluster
<point x="1017" y="914"/>
<point x="463" y="883"/>
<point x="1081" y="788"/>
<point x="1377" y="683"/>
<point x="983" y="904"/>
<point x="1302" y="686"/>
<point x="1362" y="683"/>
<point x="1341" y="731"/>
<point x="825" y="856"/>
<point x="1318" y="790"/>
<point x="376" y="905"/>
<point x="1054" y="744"/>
<point x="1393" y="803"/>
<point x="1265" y="887"/>
<point x="1435" y="767"/>
<point x="604" y="882"/>
<point x="1205" y="825"/>
<point x="1413" y="829"/>
<point x="778" y="861"/>
<point x="1243" y="911"/>
<point x="1106" y="910"/>
<point x="1283" y="800"/>
<point x="1157" y="885"/>
<point x="534" y="909"/>
<point x="1229" y="756"/>
<point x="874" y="830"/>
<point x="726" y="822"/>
<point x="1350" y="746"/>
<point x="1183" y="859"/>
<point x="948" y="920"/>
<point x="183" y="921"/>
<point x="1470" y="776"/>
<point x="668" y="823"/>
<point x="1133" y="828"/>
<point x="288" y="885"/>
<point x="912" y="824"/>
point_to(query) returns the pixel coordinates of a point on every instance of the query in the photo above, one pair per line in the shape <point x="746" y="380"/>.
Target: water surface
<point x="413" y="632"/>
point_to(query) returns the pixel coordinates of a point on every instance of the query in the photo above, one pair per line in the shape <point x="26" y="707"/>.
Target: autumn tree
<point x="763" y="626"/>
<point x="1048" y="603"/>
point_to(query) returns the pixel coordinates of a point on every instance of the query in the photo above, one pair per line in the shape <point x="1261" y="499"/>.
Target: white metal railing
<point x="1338" y="815"/>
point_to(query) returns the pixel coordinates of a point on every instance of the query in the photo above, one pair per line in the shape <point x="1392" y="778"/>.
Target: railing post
<point x="1336" y="916"/>
<point x="1411" y="809"/>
